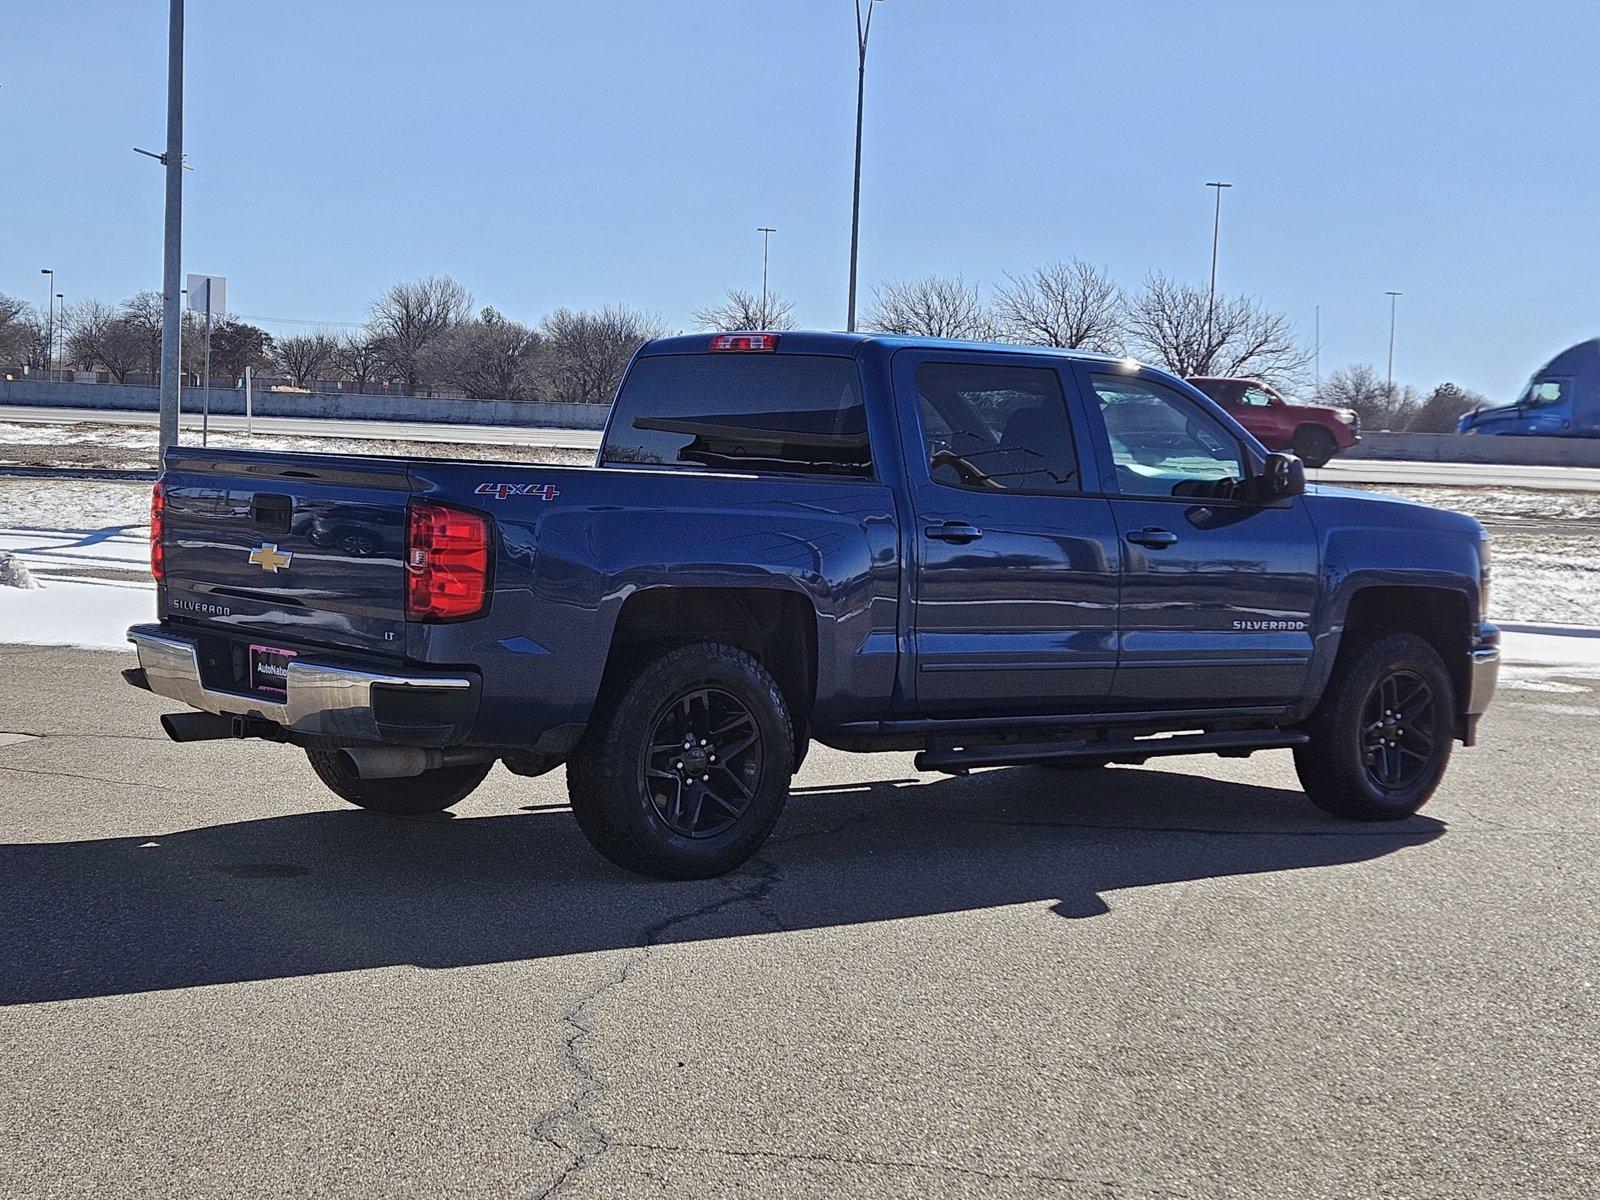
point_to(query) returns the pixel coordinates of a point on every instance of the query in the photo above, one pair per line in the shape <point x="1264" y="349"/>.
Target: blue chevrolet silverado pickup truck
<point x="991" y="555"/>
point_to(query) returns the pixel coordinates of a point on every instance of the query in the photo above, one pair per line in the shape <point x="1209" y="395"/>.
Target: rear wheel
<point x="431" y="792"/>
<point x="686" y="763"/>
<point x="1314" y="445"/>
<point x="1381" y="738"/>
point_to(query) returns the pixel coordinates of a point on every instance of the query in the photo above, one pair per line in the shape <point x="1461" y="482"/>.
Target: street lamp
<point x="1393" y="297"/>
<point x="766" y="236"/>
<point x="1211" y="296"/>
<point x="61" y="332"/>
<point x="49" y="322"/>
<point x="1316" y="349"/>
<point x="863" y="32"/>
<point x="172" y="237"/>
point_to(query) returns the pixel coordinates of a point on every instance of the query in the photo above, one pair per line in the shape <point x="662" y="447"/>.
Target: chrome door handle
<point x="954" y="531"/>
<point x="1155" y="539"/>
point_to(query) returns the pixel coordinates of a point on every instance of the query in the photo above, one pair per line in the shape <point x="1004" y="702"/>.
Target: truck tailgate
<point x="297" y="548"/>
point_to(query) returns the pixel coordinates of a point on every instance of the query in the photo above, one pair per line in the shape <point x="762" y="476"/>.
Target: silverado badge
<point x="267" y="557"/>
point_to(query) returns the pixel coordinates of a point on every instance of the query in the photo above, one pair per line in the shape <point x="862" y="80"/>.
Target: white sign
<point x="216" y="286"/>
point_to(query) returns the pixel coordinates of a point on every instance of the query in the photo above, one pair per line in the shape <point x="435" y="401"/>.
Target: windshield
<point x="1542" y="392"/>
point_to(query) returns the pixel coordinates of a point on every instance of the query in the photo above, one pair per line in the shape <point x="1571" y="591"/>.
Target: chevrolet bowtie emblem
<point x="266" y="557"/>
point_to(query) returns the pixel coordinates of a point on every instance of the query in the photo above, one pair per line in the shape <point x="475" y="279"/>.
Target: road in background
<point x="1583" y="479"/>
<point x="1179" y="980"/>
<point x="408" y="431"/>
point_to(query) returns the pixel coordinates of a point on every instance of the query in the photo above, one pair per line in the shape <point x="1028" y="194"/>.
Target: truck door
<point x="1015" y="568"/>
<point x="1217" y="593"/>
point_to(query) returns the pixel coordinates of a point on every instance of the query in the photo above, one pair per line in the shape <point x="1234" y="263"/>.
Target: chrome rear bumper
<point x="320" y="699"/>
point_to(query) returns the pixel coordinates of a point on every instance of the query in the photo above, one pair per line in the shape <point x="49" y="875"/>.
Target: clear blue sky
<point x="623" y="150"/>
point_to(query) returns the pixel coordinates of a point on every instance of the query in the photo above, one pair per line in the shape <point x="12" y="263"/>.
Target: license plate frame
<point x="269" y="669"/>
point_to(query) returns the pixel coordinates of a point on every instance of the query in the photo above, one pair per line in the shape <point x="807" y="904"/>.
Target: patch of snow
<point x="72" y="504"/>
<point x="1557" y="647"/>
<point x="81" y="613"/>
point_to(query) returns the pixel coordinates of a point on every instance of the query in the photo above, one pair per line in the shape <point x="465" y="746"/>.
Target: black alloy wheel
<point x="703" y="765"/>
<point x="1397" y="723"/>
<point x="1380" y="737"/>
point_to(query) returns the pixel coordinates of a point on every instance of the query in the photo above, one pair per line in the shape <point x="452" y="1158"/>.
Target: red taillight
<point x="158" y="521"/>
<point x="447" y="563"/>
<point x="745" y="343"/>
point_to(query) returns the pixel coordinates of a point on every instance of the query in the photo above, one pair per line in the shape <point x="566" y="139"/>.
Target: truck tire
<point x="431" y="792"/>
<point x="1382" y="734"/>
<point x="1314" y="445"/>
<point x="685" y="766"/>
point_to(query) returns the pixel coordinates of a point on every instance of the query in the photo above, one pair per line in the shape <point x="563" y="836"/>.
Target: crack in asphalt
<point x="155" y="787"/>
<point x="572" y="1115"/>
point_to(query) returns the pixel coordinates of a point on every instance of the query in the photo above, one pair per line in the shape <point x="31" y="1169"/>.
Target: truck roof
<point x="813" y="341"/>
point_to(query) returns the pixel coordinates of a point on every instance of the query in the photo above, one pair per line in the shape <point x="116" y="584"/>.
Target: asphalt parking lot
<point x="217" y="980"/>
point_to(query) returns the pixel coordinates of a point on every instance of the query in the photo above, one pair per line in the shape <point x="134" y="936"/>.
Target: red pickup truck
<point x="1315" y="434"/>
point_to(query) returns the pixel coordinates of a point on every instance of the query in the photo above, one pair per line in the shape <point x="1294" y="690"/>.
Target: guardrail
<point x="1454" y="448"/>
<point x="528" y="414"/>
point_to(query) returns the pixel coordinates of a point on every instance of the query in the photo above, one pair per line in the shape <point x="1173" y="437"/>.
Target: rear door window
<point x="765" y="413"/>
<point x="996" y="428"/>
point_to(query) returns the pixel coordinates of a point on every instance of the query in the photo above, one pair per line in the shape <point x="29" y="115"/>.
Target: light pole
<point x="61" y="330"/>
<point x="49" y="322"/>
<point x="172" y="239"/>
<point x="1211" y="296"/>
<point x="1389" y="387"/>
<point x="766" y="237"/>
<point x="863" y="32"/>
<point x="1316" y="349"/>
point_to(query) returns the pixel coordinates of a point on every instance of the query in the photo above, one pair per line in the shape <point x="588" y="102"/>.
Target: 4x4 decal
<point x="504" y="491"/>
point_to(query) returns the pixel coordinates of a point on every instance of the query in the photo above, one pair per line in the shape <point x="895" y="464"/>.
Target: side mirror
<point x="1282" y="477"/>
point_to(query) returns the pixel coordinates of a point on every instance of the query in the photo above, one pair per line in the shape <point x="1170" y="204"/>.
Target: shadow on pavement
<point x="346" y="890"/>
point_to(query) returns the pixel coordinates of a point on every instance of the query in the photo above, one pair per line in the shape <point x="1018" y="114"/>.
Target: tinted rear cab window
<point x="790" y="414"/>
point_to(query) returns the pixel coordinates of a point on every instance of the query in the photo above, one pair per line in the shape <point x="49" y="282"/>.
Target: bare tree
<point x="144" y="310"/>
<point x="742" y="311"/>
<point x="304" y="357"/>
<point x="359" y="359"/>
<point x="1360" y="388"/>
<point x="939" y="306"/>
<point x="101" y="336"/>
<point x="1169" y="322"/>
<point x="491" y="358"/>
<point x="1073" y="304"/>
<point x="409" y="316"/>
<point x="589" y="350"/>
<point x="17" y="333"/>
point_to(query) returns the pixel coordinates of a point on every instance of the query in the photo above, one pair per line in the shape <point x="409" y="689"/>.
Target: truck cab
<point x="1561" y="400"/>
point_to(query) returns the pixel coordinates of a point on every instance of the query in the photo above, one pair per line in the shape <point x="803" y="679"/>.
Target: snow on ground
<point x="118" y="446"/>
<point x="93" y="584"/>
<point x="93" y="614"/>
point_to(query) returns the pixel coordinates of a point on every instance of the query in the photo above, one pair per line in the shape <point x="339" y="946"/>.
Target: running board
<point x="956" y="760"/>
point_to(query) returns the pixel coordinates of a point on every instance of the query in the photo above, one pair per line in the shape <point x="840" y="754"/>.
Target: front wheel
<point x="686" y="763"/>
<point x="1314" y="446"/>
<point x="413" y="796"/>
<point x="1381" y="737"/>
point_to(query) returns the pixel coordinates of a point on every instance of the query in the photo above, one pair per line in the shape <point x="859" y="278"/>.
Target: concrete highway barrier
<point x="1453" y="448"/>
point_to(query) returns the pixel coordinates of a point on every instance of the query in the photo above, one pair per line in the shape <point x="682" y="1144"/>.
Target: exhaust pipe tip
<point x="197" y="727"/>
<point x="406" y="762"/>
